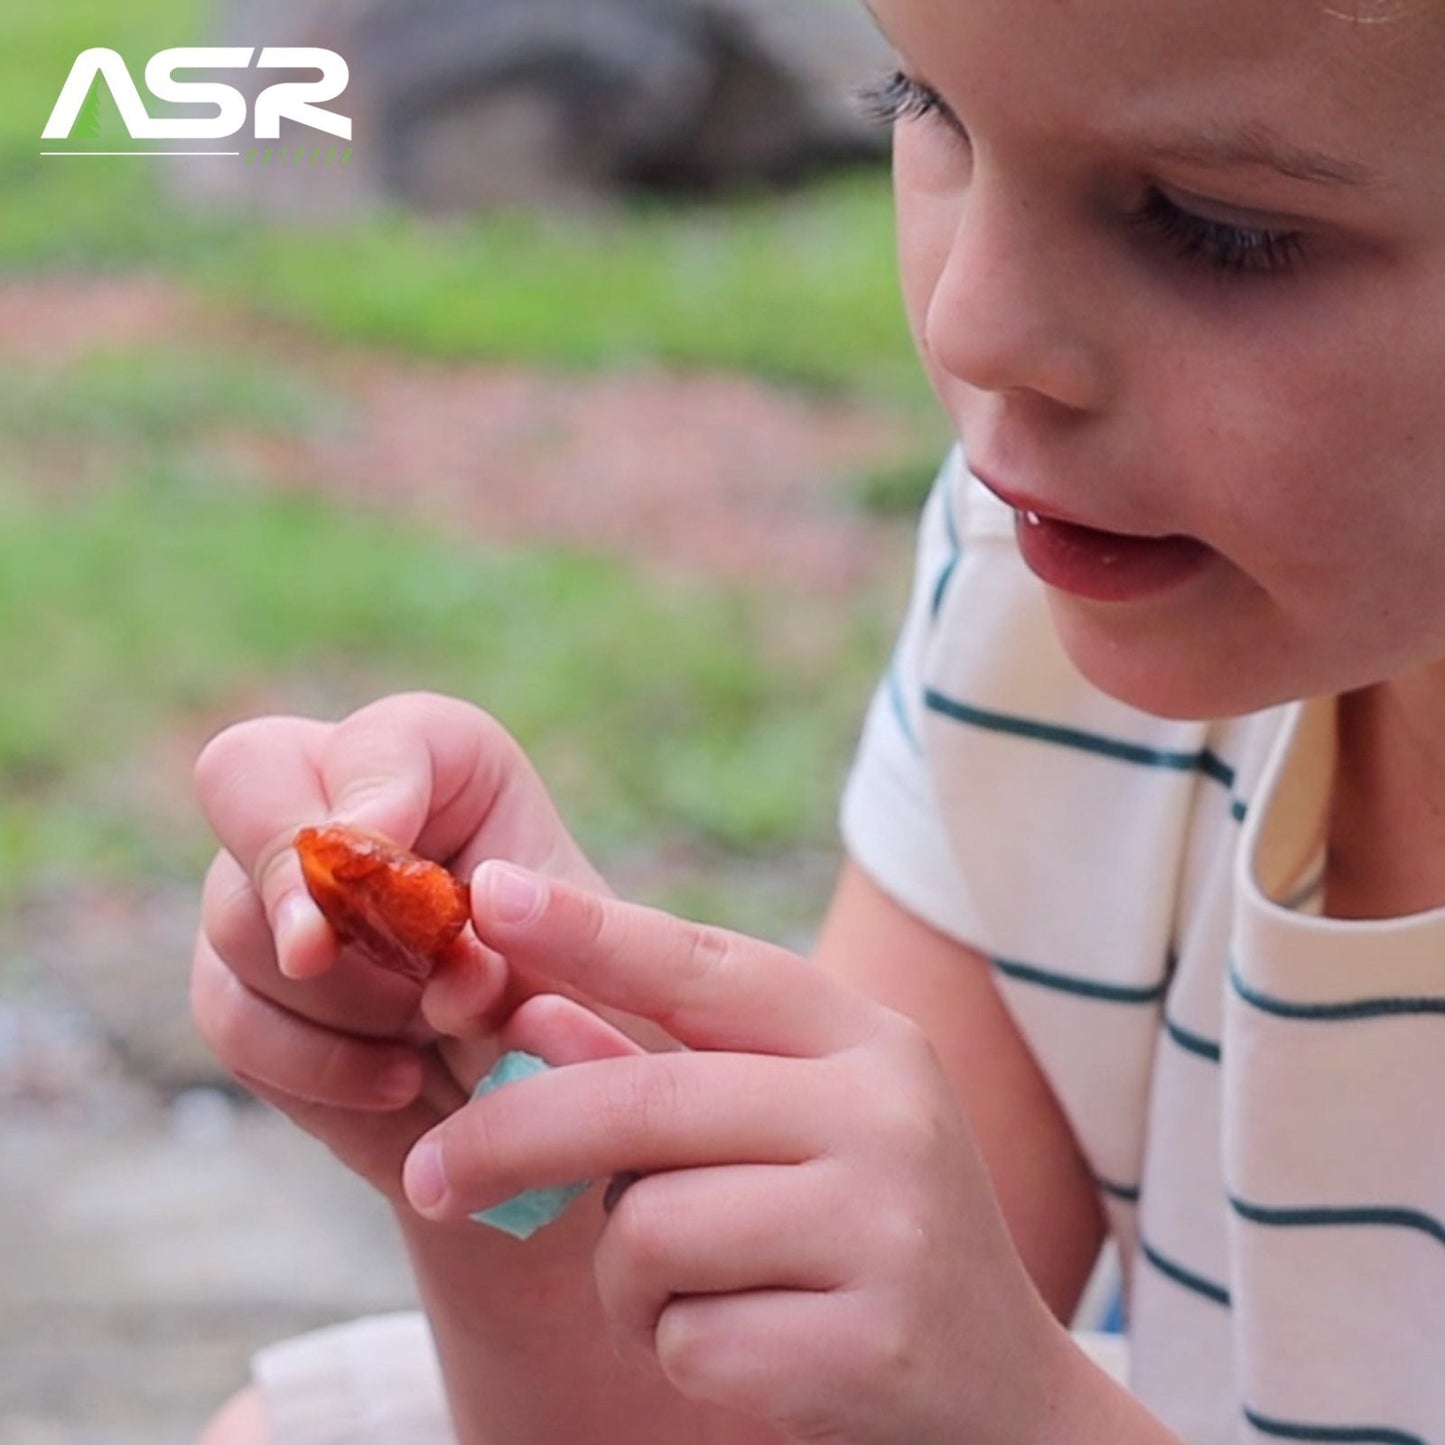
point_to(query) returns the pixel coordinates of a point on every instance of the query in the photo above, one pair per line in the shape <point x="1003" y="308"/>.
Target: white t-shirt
<point x="1259" y="1091"/>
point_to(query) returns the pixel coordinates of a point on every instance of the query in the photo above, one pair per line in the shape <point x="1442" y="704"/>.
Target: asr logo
<point x="297" y="101"/>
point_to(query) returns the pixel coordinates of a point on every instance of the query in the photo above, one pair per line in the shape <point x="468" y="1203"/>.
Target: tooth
<point x="1033" y="519"/>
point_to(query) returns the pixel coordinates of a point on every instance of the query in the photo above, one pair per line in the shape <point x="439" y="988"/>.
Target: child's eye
<point x="1219" y="245"/>
<point x="898" y="97"/>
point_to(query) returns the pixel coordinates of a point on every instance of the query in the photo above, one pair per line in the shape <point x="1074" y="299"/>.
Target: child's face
<point x="1178" y="268"/>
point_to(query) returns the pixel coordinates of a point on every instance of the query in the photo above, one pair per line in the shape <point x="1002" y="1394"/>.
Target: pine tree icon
<point x="87" y="120"/>
<point x="98" y="118"/>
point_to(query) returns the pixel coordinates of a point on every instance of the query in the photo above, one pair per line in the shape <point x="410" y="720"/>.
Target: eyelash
<point x="1219" y="246"/>
<point x="897" y="97"/>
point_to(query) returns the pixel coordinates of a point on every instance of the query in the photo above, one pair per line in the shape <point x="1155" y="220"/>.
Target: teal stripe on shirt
<point x="1202" y="761"/>
<point x="900" y="708"/>
<point x="955" y="547"/>
<point x="1364" y="1008"/>
<point x="1081" y="987"/>
<point x="1340" y="1216"/>
<point x="1193" y="1043"/>
<point x="1195" y="1283"/>
<point x="1126" y="1193"/>
<point x="1330" y="1434"/>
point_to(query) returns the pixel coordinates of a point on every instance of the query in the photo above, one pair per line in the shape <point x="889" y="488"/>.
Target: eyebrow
<point x="1251" y="147"/>
<point x="1255" y="146"/>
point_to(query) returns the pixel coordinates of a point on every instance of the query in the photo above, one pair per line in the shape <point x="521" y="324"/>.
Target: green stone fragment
<point x="524" y="1214"/>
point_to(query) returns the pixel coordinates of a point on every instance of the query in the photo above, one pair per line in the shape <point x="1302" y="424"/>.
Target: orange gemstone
<point x="401" y="910"/>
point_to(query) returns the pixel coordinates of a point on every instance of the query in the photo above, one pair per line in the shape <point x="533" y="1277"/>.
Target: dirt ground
<point x="154" y="1229"/>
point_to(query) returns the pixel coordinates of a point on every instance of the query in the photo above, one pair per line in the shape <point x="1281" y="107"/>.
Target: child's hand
<point x="355" y="1053"/>
<point x="813" y="1239"/>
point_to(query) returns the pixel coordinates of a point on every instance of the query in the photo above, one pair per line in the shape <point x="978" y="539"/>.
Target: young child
<point x="1143" y="928"/>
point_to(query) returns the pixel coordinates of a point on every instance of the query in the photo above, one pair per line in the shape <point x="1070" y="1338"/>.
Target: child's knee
<point x="240" y="1421"/>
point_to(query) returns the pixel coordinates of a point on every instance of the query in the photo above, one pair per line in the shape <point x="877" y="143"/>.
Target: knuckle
<point x="426" y="714"/>
<point x="908" y="1123"/>
<point x="916" y="1131"/>
<point x="474" y="1147"/>
<point x="594" y="924"/>
<point x="891" y="1357"/>
<point x="704" y="952"/>
<point x="421" y="703"/>
<point x="600" y="930"/>
<point x="644" y="1227"/>
<point x="218" y="759"/>
<point x="390" y="709"/>
<point x="497" y="758"/>
<point x="905" y="1036"/>
<point x="468" y="720"/>
<point x="276" y="869"/>
<point x="898" y="1234"/>
<point x="644" y="1104"/>
<point x="335" y="1075"/>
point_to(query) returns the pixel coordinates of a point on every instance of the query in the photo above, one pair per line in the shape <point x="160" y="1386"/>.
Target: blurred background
<point x="575" y="384"/>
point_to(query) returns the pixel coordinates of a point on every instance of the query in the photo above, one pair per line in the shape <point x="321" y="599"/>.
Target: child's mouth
<point x="1105" y="566"/>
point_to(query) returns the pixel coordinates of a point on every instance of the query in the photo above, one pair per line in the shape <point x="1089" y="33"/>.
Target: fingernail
<point x="516" y="897"/>
<point x="294" y="919"/>
<point x="424" y="1177"/>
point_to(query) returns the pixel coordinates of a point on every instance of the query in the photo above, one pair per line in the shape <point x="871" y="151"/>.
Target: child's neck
<point x="1387" y="819"/>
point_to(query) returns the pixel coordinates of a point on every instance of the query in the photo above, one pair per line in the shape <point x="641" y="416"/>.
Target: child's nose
<point x="1013" y="308"/>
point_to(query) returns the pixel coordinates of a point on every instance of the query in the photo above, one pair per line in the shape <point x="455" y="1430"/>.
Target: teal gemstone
<point x="524" y="1214"/>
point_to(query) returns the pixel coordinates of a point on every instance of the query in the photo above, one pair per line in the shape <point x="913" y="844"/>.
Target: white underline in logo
<point x="140" y="153"/>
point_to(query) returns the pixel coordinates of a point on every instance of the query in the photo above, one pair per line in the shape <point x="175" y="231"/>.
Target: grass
<point x="157" y="397"/>
<point x="150" y="595"/>
<point x="658" y="714"/>
<point x="72" y="212"/>
<point x="800" y="289"/>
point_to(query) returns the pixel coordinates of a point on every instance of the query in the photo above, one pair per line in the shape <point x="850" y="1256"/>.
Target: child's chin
<point x="1164" y="674"/>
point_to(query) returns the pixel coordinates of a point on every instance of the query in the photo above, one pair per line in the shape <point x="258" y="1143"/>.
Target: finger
<point x="259" y="1040"/>
<point x="716" y="1231"/>
<point x="644" y="1112"/>
<point x="395" y="766"/>
<point x="355" y="995"/>
<point x="388" y="768"/>
<point x="258" y="782"/>
<point x="465" y="989"/>
<point x="426" y="770"/>
<point x="564" y="1032"/>
<point x="235" y="921"/>
<point x="708" y="987"/>
<point x="771" y="1354"/>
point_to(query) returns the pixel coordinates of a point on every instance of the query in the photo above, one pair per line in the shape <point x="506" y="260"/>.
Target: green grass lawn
<point x="134" y="613"/>
<point x="800" y="288"/>
<point x="140" y="609"/>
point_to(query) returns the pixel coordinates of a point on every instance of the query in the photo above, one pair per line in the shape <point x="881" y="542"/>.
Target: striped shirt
<point x="1259" y="1090"/>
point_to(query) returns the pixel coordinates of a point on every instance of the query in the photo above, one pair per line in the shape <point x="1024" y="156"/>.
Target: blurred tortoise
<point x="464" y="105"/>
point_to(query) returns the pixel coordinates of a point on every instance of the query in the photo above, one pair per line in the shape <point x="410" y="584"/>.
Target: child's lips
<point x="1096" y="564"/>
<point x="1106" y="566"/>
